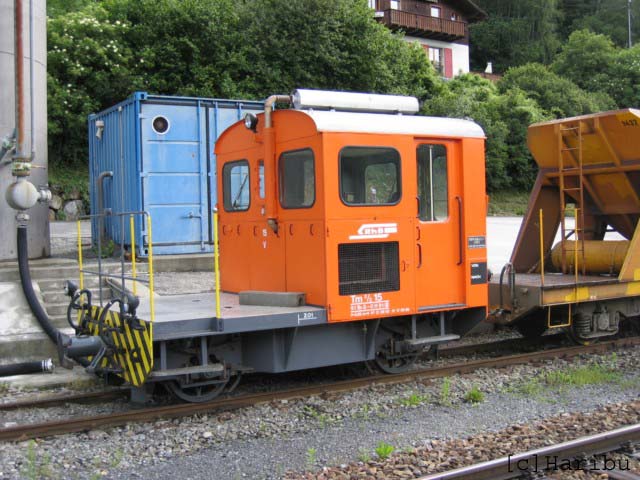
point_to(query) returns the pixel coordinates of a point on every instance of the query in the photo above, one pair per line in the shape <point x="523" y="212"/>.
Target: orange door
<point x="439" y="228"/>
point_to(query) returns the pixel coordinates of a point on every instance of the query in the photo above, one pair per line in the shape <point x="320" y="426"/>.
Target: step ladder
<point x="570" y="144"/>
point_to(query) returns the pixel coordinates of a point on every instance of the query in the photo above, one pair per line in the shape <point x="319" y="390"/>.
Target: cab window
<point x="433" y="185"/>
<point x="370" y="176"/>
<point x="297" y="179"/>
<point x="235" y="186"/>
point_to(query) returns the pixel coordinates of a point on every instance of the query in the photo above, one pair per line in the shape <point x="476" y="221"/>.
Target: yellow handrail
<point x="216" y="261"/>
<point x="80" y="256"/>
<point x="151" y="303"/>
<point x="541" y="249"/>
<point x="133" y="255"/>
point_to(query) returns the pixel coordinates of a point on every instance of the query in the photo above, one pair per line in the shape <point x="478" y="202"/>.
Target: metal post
<point x="152" y="310"/>
<point x="80" y="256"/>
<point x="216" y="261"/>
<point x="133" y="255"/>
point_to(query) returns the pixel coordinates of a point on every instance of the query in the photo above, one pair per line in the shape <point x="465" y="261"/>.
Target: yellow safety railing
<point x="152" y="310"/>
<point x="80" y="255"/>
<point x="541" y="248"/>
<point x="133" y="254"/>
<point x="216" y="260"/>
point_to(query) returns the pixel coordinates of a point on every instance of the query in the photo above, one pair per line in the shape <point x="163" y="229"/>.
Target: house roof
<point x="470" y="10"/>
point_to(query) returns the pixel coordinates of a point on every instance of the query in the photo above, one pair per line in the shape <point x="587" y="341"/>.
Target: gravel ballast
<point x="265" y="441"/>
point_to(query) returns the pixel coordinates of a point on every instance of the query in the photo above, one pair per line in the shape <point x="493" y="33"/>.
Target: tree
<point x="504" y="118"/>
<point x="557" y="96"/>
<point x="89" y="66"/>
<point x="515" y="33"/>
<point x="586" y="59"/>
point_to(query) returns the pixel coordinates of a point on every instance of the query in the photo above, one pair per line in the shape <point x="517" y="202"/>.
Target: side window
<point x="297" y="179"/>
<point x="370" y="176"/>
<point x="235" y="186"/>
<point x="433" y="188"/>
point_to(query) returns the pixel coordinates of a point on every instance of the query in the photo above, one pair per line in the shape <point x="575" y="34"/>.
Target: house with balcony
<point x="440" y="26"/>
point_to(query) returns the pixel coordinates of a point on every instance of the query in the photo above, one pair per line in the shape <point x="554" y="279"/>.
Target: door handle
<point x="460" y="246"/>
<point x="419" y="256"/>
<point x="193" y="215"/>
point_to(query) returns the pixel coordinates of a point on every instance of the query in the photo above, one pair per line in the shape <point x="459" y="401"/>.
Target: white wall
<point x="460" y="52"/>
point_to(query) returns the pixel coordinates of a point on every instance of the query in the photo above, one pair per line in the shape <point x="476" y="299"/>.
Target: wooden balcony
<point x="422" y="25"/>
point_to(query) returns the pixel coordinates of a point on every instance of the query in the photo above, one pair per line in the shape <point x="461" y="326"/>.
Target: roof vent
<point x="354" y="102"/>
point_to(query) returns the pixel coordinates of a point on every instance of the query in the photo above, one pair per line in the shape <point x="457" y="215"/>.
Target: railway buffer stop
<point x="576" y="261"/>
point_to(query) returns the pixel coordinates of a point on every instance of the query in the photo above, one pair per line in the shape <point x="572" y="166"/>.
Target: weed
<point x="593" y="374"/>
<point x="313" y="412"/>
<point x="414" y="400"/>
<point x="312" y="457"/>
<point x="363" y="455"/>
<point x="4" y="387"/>
<point x="445" y="392"/>
<point x="384" y="450"/>
<point x="530" y="388"/>
<point x="35" y="469"/>
<point x="474" y="395"/>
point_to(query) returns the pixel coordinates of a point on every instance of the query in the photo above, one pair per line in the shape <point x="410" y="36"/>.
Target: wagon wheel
<point x="197" y="393"/>
<point x="387" y="361"/>
<point x="199" y="387"/>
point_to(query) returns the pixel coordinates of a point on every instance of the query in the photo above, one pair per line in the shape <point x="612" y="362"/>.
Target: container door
<point x="175" y="187"/>
<point x="439" y="235"/>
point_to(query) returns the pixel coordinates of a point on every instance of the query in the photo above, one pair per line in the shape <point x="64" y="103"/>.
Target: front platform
<point x="193" y="315"/>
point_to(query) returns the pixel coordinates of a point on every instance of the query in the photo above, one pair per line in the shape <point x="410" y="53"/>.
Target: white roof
<point x="330" y="121"/>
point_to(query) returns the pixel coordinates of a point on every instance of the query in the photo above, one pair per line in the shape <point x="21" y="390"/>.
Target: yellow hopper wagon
<point x="576" y="260"/>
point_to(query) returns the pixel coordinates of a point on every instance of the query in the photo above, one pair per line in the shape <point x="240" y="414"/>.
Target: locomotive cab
<point x="362" y="209"/>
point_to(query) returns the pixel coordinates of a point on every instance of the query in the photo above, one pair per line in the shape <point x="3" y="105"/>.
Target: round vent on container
<point x="160" y="125"/>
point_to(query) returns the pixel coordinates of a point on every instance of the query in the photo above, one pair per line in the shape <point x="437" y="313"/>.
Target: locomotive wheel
<point x="391" y="365"/>
<point x="196" y="394"/>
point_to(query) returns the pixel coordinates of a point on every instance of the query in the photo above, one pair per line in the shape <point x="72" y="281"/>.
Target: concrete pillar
<point x="39" y="245"/>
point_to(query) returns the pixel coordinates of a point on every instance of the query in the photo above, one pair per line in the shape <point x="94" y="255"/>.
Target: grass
<point x="508" y="203"/>
<point x="594" y="374"/>
<point x="384" y="450"/>
<point x="474" y="395"/>
<point x="445" y="392"/>
<point x="414" y="400"/>
<point x="312" y="457"/>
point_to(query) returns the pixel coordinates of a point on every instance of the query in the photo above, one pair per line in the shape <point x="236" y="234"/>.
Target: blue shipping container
<point x="160" y="150"/>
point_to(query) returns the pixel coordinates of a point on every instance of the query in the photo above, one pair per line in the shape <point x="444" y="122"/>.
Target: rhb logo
<point x="370" y="231"/>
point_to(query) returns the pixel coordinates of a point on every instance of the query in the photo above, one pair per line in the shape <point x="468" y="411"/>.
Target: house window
<point x="395" y="5"/>
<point x="435" y="12"/>
<point x="436" y="55"/>
<point x="372" y="4"/>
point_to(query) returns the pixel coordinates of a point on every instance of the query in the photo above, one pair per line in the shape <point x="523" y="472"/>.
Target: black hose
<point x="40" y="366"/>
<point x="27" y="287"/>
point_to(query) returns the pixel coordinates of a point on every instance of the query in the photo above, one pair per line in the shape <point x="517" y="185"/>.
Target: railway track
<point x="59" y="427"/>
<point x="534" y="461"/>
<point x="446" y="352"/>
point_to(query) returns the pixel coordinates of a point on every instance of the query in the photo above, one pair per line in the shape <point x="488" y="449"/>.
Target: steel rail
<point x="55" y="400"/>
<point x="71" y="425"/>
<point x="517" y="465"/>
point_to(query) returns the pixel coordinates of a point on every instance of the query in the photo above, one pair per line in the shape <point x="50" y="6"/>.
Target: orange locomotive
<point x="376" y="217"/>
<point x="350" y="231"/>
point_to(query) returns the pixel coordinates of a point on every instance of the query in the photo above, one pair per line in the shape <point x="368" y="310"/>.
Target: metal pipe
<point x="270" y="160"/>
<point x="19" y="87"/>
<point x="100" y="181"/>
<point x="25" y="368"/>
<point x="31" y="86"/>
